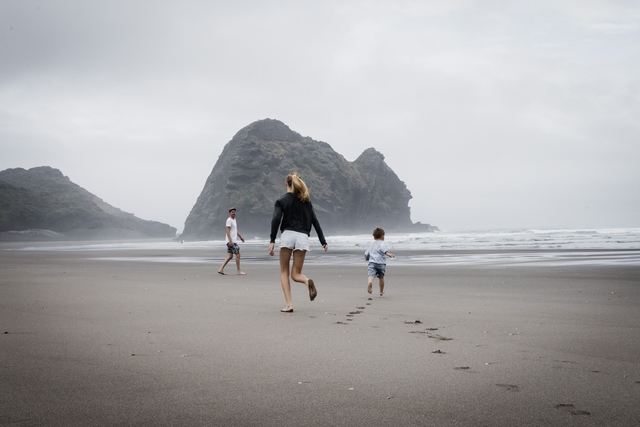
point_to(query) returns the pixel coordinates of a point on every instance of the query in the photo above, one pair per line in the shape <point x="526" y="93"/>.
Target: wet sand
<point x="87" y="341"/>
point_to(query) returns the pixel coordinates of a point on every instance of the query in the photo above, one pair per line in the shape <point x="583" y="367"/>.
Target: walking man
<point x="231" y="238"/>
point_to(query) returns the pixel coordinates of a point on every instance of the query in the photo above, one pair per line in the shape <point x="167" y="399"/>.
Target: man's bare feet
<point x="287" y="309"/>
<point x="241" y="273"/>
<point x="221" y="272"/>
<point x="370" y="288"/>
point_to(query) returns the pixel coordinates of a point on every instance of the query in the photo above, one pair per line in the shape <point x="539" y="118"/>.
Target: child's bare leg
<point x="285" y="256"/>
<point x="370" y="285"/>
<point x="381" y="286"/>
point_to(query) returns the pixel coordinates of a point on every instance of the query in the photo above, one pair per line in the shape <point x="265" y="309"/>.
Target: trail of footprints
<point x="430" y="333"/>
<point x="351" y="314"/>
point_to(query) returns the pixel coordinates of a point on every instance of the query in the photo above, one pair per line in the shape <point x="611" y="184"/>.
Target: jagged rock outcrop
<point x="43" y="204"/>
<point x="348" y="197"/>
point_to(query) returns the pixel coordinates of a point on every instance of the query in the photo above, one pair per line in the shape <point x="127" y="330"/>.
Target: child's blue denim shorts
<point x="376" y="270"/>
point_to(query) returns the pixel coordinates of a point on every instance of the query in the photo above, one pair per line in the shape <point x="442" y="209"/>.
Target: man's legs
<point x="238" y="264"/>
<point x="224" y="264"/>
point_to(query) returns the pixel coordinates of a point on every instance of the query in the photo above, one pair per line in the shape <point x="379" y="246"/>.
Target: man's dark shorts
<point x="376" y="270"/>
<point x="233" y="249"/>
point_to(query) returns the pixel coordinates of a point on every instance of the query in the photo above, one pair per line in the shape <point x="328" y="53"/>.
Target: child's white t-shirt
<point x="376" y="252"/>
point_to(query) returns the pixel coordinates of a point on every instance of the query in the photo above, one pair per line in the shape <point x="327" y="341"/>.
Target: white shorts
<point x="294" y="240"/>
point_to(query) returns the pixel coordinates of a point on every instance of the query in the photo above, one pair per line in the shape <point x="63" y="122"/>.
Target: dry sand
<point x="94" y="342"/>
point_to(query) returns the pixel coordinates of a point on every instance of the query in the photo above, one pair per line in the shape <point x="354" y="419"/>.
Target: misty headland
<point x="43" y="204"/>
<point x="349" y="197"/>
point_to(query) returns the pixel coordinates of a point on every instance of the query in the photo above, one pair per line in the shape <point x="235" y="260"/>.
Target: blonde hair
<point x="300" y="189"/>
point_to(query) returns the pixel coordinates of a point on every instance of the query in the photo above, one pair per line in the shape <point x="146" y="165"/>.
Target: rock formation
<point x="349" y="197"/>
<point x="43" y="204"/>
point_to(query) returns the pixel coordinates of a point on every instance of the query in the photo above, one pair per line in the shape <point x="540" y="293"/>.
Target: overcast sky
<point x="496" y="114"/>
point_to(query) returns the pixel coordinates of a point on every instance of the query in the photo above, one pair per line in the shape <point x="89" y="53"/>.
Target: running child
<point x="376" y="255"/>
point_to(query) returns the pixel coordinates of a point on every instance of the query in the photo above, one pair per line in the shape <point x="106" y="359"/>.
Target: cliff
<point x="349" y="197"/>
<point x="43" y="204"/>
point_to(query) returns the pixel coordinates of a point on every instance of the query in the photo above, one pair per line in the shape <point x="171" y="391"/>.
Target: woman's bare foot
<point x="312" y="290"/>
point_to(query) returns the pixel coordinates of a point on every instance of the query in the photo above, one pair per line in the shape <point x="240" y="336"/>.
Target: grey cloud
<point x="494" y="113"/>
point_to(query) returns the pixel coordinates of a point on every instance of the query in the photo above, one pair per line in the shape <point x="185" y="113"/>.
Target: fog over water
<point x="495" y="114"/>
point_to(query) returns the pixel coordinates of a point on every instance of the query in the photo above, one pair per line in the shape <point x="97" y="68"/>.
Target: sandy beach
<point x="107" y="338"/>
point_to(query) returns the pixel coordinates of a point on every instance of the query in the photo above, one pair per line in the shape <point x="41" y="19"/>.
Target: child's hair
<point x="300" y="189"/>
<point x="378" y="233"/>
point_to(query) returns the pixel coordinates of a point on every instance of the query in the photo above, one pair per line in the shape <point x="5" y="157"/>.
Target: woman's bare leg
<point x="296" y="273"/>
<point x="285" y="256"/>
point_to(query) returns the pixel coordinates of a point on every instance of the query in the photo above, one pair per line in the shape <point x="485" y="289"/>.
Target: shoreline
<point x="151" y="251"/>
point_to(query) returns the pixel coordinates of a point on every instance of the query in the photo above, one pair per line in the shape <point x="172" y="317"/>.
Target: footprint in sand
<point x="509" y="387"/>
<point x="428" y="333"/>
<point x="461" y="368"/>
<point x="567" y="407"/>
<point x="438" y="337"/>
<point x="567" y="361"/>
<point x="413" y="322"/>
<point x="438" y="352"/>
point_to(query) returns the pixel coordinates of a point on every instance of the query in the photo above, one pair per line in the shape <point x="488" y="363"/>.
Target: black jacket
<point x="290" y="213"/>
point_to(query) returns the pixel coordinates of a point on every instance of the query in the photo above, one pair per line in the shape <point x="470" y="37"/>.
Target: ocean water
<point x="526" y="247"/>
<point x="614" y="246"/>
<point x="614" y="238"/>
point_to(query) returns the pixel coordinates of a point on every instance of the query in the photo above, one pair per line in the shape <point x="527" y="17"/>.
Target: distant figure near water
<point x="230" y="239"/>
<point x="376" y="255"/>
<point x="294" y="213"/>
